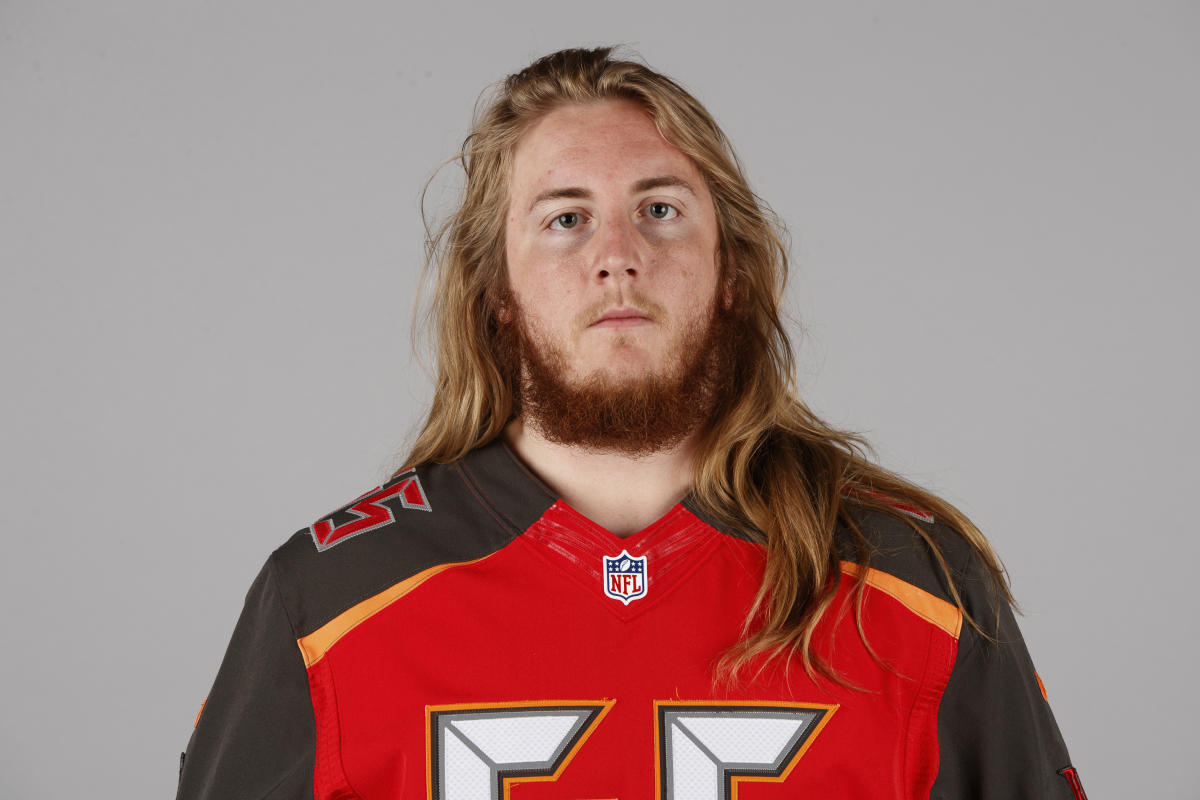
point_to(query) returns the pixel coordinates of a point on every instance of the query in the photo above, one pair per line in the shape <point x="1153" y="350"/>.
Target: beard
<point x="633" y="416"/>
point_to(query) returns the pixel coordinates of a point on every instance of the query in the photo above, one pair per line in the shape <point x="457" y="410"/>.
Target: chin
<point x="618" y="375"/>
<point x="628" y="359"/>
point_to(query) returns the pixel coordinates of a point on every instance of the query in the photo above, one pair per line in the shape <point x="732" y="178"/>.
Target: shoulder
<point x="422" y="519"/>
<point x="923" y="552"/>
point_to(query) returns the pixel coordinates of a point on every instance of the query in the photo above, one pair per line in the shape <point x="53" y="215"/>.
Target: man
<point x="626" y="560"/>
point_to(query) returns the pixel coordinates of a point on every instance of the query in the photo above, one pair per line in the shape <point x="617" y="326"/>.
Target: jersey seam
<point x="280" y="782"/>
<point x="366" y="614"/>
<point x="878" y="584"/>
<point x="509" y="527"/>
<point x="341" y="731"/>
<point x="276" y="587"/>
<point x="495" y="513"/>
<point x="925" y="701"/>
<point x="967" y="639"/>
<point x="534" y="479"/>
<point x="961" y="577"/>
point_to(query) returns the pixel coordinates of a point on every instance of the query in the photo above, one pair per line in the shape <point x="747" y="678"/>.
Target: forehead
<point x="608" y="140"/>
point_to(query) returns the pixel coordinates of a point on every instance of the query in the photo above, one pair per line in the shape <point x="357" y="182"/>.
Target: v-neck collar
<point x="659" y="555"/>
<point x="517" y="497"/>
<point x="580" y="546"/>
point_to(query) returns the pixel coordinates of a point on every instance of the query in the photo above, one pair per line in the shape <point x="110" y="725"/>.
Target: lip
<point x="620" y="318"/>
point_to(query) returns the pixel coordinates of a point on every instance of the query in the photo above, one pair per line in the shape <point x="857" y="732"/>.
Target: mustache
<point x="631" y="302"/>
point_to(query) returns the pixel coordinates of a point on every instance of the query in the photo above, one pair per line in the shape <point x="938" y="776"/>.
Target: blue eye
<point x="565" y="221"/>
<point x="662" y="211"/>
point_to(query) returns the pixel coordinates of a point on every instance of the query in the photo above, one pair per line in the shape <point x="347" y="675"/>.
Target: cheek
<point x="692" y="276"/>
<point x="545" y="278"/>
<point x="548" y="307"/>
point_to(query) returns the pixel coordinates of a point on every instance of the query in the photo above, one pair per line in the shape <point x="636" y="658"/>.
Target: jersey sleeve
<point x="997" y="735"/>
<point x="255" y="736"/>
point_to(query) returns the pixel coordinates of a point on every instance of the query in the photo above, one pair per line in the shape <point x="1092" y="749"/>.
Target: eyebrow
<point x="644" y="185"/>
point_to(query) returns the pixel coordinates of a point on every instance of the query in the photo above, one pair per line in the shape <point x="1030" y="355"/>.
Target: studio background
<point x="210" y="242"/>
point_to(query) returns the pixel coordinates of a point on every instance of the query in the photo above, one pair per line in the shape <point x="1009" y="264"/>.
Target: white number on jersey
<point x="477" y="749"/>
<point x="705" y="748"/>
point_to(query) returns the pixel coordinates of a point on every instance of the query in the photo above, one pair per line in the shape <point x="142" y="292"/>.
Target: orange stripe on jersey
<point x="928" y="607"/>
<point x="205" y="701"/>
<point x="1042" y="687"/>
<point x="316" y="644"/>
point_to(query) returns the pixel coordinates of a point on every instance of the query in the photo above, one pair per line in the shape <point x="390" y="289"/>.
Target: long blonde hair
<point x="768" y="466"/>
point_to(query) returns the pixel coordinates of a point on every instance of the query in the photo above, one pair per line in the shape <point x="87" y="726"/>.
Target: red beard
<point x="638" y="417"/>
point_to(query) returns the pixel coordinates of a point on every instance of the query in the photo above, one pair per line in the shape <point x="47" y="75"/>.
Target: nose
<point x="618" y="255"/>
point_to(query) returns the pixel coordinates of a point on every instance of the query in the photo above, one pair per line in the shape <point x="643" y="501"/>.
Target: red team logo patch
<point x="369" y="511"/>
<point x="625" y="577"/>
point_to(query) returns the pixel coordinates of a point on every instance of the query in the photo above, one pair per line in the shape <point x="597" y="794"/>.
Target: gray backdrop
<point x="210" y="241"/>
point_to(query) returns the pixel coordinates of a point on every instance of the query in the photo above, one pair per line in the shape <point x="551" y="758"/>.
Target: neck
<point x="620" y="492"/>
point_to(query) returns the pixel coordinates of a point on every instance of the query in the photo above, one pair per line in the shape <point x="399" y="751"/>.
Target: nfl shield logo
<point x="625" y="577"/>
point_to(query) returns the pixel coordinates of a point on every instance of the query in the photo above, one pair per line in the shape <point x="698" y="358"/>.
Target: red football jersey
<point x="461" y="633"/>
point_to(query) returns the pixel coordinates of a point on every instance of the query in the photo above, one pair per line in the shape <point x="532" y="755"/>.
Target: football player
<point x="624" y="559"/>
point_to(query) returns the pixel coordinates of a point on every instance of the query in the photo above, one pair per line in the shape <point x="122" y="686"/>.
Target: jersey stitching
<point x="520" y="465"/>
<point x="341" y="733"/>
<point x="315" y="645"/>
<point x="279" y="782"/>
<point x="341" y="778"/>
<point x="925" y="702"/>
<point x="275" y="584"/>
<point x="478" y="494"/>
<point x="883" y="582"/>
